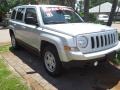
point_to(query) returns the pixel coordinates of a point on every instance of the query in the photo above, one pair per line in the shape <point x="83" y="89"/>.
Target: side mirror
<point x="31" y="20"/>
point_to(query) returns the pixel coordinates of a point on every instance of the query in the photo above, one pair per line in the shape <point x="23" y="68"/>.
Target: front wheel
<point x="52" y="61"/>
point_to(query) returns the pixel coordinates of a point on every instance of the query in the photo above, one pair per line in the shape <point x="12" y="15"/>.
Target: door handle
<point x="23" y="27"/>
<point x="14" y="24"/>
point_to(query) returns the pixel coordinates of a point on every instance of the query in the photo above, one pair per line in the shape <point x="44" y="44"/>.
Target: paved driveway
<point x="116" y="25"/>
<point x="75" y="78"/>
<point x="4" y="36"/>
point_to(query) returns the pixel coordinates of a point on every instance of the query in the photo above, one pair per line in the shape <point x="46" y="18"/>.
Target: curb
<point x="31" y="83"/>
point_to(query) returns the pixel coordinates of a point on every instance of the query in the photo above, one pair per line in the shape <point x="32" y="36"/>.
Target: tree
<point x="86" y="10"/>
<point x="112" y="13"/>
<point x="5" y="5"/>
<point x="70" y="3"/>
<point x="62" y="2"/>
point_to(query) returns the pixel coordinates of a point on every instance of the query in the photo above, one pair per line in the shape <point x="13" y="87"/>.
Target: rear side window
<point x="13" y="14"/>
<point x="20" y="13"/>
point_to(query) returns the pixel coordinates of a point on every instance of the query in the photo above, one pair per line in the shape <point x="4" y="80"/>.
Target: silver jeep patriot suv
<point x="60" y="35"/>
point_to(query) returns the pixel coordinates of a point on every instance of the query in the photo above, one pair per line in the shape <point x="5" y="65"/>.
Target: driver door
<point x="31" y="31"/>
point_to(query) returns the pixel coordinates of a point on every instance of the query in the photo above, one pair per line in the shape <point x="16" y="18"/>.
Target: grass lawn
<point x="8" y="79"/>
<point x="4" y="48"/>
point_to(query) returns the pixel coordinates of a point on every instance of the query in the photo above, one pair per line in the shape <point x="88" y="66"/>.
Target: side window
<point x="13" y="14"/>
<point x="31" y="16"/>
<point x="20" y="13"/>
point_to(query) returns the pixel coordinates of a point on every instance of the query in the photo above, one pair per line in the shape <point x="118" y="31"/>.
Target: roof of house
<point x="105" y="7"/>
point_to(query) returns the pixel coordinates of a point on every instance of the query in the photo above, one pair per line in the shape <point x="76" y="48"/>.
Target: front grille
<point x="103" y="40"/>
<point x="100" y="41"/>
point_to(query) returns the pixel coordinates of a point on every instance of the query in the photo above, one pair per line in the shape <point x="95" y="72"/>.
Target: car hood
<point x="74" y="29"/>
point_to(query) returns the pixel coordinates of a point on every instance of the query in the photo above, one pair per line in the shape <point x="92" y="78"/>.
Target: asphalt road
<point x="75" y="78"/>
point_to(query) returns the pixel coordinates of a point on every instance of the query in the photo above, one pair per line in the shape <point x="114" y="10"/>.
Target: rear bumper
<point x="80" y="56"/>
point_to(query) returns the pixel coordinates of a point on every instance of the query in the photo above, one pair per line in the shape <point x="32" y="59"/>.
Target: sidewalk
<point x="4" y="36"/>
<point x="117" y="26"/>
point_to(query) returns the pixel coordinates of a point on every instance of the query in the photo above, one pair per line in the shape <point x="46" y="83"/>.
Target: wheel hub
<point x="50" y="61"/>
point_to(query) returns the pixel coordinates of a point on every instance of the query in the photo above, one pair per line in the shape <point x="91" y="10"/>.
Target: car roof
<point x="40" y="6"/>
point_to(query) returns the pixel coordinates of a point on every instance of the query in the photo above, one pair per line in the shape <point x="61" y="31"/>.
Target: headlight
<point x="82" y="41"/>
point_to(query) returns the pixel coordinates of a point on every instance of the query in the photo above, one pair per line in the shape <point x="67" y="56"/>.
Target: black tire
<point x="58" y="65"/>
<point x="14" y="42"/>
<point x="103" y="63"/>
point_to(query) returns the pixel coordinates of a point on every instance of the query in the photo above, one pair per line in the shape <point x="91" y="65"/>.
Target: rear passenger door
<point x="31" y="29"/>
<point x="18" y="24"/>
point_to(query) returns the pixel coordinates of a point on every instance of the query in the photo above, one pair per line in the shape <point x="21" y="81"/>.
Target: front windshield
<point x="57" y="15"/>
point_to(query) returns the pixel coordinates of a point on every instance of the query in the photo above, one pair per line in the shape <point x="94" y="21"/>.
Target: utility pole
<point x="99" y="7"/>
<point x="112" y="13"/>
<point x="86" y="10"/>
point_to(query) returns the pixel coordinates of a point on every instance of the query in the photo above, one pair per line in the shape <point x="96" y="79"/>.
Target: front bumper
<point x="80" y="56"/>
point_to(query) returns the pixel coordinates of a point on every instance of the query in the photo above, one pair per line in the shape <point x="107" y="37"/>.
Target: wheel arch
<point x="56" y="42"/>
<point x="11" y="32"/>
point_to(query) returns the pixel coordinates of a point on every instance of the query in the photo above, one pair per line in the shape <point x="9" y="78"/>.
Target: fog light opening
<point x="95" y="63"/>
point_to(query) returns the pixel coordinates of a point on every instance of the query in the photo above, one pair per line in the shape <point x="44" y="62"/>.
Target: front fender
<point x="58" y="43"/>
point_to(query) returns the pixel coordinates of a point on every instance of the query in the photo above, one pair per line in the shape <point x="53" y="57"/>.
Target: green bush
<point x="92" y="17"/>
<point x="117" y="59"/>
<point x="81" y="14"/>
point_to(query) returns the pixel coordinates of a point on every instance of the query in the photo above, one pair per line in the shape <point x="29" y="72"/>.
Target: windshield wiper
<point x="55" y="22"/>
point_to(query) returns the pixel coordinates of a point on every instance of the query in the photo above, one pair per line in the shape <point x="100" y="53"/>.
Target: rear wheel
<point x="52" y="61"/>
<point x="13" y="41"/>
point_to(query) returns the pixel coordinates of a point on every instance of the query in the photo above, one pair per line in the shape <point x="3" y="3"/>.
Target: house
<point x="79" y="5"/>
<point x="104" y="8"/>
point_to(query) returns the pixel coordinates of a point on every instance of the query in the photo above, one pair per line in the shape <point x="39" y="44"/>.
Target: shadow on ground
<point x="90" y="78"/>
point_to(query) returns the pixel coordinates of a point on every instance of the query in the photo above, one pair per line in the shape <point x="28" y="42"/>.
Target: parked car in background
<point x="103" y="18"/>
<point x="59" y="35"/>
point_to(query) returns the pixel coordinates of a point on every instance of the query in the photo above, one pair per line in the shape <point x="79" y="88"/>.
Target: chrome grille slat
<point x="107" y="40"/>
<point x="100" y="41"/>
<point x="95" y="42"/>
